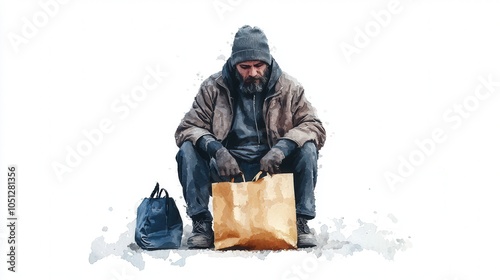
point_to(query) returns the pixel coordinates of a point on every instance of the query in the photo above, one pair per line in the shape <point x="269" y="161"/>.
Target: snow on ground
<point x="332" y="240"/>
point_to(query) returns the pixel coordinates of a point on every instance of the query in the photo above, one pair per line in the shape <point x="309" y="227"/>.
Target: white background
<point x="374" y="103"/>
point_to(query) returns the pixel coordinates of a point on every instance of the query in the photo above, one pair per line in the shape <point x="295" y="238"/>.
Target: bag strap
<point x="257" y="176"/>
<point x="155" y="191"/>
<point x="161" y="191"/>
<point x="242" y="176"/>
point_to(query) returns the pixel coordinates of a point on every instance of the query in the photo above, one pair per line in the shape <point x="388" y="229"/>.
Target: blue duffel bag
<point x="158" y="224"/>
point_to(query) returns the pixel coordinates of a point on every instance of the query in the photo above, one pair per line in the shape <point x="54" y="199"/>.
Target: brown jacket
<point x="287" y="114"/>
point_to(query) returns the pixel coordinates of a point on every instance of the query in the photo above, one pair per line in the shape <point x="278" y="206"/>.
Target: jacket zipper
<point x="255" y="119"/>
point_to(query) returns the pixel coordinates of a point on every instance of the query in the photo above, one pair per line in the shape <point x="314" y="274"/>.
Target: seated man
<point x="251" y="116"/>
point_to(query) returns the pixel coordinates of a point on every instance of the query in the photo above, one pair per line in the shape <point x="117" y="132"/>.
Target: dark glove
<point x="271" y="162"/>
<point x="227" y="165"/>
<point x="208" y="144"/>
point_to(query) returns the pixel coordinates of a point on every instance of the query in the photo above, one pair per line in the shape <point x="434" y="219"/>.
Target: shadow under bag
<point x="159" y="223"/>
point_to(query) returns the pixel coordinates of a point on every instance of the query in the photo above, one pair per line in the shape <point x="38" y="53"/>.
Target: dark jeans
<point x="197" y="172"/>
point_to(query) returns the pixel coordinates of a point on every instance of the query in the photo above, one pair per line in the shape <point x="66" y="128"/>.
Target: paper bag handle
<point x="257" y="176"/>
<point x="242" y="176"/>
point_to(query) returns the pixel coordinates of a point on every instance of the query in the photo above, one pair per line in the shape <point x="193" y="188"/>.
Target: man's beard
<point x="252" y="85"/>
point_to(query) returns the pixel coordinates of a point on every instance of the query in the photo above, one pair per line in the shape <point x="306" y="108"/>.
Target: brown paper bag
<point x="255" y="215"/>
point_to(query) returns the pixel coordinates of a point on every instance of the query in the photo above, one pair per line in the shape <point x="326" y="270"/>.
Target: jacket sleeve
<point x="198" y="120"/>
<point x="306" y="124"/>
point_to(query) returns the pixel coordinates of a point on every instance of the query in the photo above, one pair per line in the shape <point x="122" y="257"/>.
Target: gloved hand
<point x="271" y="162"/>
<point x="227" y="165"/>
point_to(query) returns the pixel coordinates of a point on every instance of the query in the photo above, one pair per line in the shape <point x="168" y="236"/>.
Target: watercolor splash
<point x="332" y="240"/>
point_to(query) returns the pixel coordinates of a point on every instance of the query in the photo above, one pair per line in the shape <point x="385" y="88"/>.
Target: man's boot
<point x="305" y="239"/>
<point x="202" y="236"/>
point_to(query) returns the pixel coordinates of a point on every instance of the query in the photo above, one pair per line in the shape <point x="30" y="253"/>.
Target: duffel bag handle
<point x="161" y="191"/>
<point x="157" y="192"/>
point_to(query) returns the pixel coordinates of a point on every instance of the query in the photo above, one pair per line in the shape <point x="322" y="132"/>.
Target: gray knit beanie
<point x="250" y="43"/>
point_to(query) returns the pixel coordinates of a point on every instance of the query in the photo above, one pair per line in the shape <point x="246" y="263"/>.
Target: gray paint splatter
<point x="392" y="217"/>
<point x="332" y="240"/>
<point x="124" y="248"/>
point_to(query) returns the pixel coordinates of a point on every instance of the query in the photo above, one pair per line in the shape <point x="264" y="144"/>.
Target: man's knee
<point x="303" y="159"/>
<point x="186" y="151"/>
<point x="308" y="152"/>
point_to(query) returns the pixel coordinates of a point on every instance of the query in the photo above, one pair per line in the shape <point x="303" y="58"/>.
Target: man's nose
<point x="253" y="72"/>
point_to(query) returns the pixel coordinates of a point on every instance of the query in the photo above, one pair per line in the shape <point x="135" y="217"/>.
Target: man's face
<point x="252" y="76"/>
